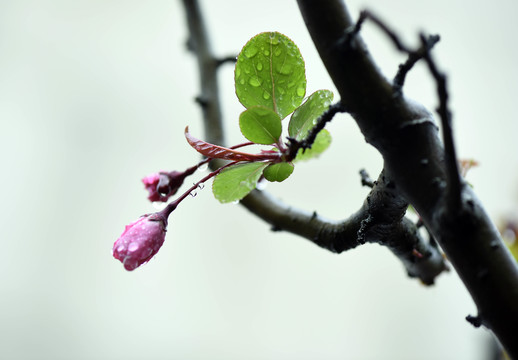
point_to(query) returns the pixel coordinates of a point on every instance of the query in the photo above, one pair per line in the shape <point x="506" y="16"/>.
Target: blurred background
<point x="95" y="94"/>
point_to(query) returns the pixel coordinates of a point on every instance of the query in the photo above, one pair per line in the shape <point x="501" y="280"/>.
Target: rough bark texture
<point x="414" y="160"/>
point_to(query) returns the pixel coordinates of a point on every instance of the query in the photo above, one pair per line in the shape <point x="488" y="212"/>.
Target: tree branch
<point x="380" y="220"/>
<point x="405" y="135"/>
<point x="207" y="67"/>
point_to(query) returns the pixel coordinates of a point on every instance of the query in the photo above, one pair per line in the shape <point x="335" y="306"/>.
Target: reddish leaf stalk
<point x="172" y="205"/>
<point x="219" y="152"/>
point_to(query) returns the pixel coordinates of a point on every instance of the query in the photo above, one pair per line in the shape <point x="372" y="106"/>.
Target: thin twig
<point x="231" y="59"/>
<point x="366" y="14"/>
<point x="413" y="58"/>
<point x="307" y="143"/>
<point x="452" y="166"/>
<point x="366" y="180"/>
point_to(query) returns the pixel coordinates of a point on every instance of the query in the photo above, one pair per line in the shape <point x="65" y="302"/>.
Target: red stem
<point x="172" y="205"/>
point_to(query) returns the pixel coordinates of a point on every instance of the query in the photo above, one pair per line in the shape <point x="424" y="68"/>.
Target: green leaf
<point x="322" y="142"/>
<point x="260" y="125"/>
<point x="305" y="117"/>
<point x="270" y="71"/>
<point x="278" y="172"/>
<point x="235" y="182"/>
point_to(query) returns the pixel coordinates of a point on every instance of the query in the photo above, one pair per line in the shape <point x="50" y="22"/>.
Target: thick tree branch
<point x="407" y="138"/>
<point x="380" y="220"/>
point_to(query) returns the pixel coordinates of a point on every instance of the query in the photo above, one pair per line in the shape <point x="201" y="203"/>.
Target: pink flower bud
<point x="161" y="186"/>
<point x="151" y="183"/>
<point x="140" y="241"/>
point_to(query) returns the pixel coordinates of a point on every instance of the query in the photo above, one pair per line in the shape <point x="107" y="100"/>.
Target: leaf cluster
<point x="270" y="83"/>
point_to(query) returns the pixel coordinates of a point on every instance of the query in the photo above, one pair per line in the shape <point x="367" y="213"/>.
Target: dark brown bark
<point x="414" y="158"/>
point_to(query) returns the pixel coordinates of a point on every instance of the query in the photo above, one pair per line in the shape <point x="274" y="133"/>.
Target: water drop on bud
<point x="158" y="205"/>
<point x="203" y="167"/>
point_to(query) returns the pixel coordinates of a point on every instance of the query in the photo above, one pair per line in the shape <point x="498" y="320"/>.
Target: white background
<point x="94" y="95"/>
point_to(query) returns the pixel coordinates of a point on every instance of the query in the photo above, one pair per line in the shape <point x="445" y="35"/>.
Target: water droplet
<point x="120" y="248"/>
<point x="277" y="52"/>
<point x="286" y="69"/>
<point x="261" y="185"/>
<point x="259" y="66"/>
<point x="254" y="81"/>
<point x="300" y="91"/>
<point x="509" y="236"/>
<point x="203" y="167"/>
<point x="266" y="52"/>
<point x="250" y="51"/>
<point x="274" y="39"/>
<point x="159" y="205"/>
<point x="242" y="81"/>
<point x="133" y="247"/>
<point x="266" y="95"/>
<point x="238" y="72"/>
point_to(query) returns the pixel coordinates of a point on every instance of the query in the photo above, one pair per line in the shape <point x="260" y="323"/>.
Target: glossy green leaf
<point x="322" y="142"/>
<point x="235" y="182"/>
<point x="305" y="117"/>
<point x="260" y="125"/>
<point x="278" y="172"/>
<point x="270" y="71"/>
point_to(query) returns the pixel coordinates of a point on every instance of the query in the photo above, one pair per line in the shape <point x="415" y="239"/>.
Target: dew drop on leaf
<point x="261" y="185"/>
<point x="277" y="52"/>
<point x="274" y="39"/>
<point x="250" y="51"/>
<point x="266" y="95"/>
<point x="254" y="82"/>
<point x="259" y="66"/>
<point x="266" y="52"/>
<point x="300" y="91"/>
<point x="286" y="69"/>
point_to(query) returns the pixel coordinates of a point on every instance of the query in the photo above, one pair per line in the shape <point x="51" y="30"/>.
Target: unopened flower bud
<point x="161" y="186"/>
<point x="140" y="241"/>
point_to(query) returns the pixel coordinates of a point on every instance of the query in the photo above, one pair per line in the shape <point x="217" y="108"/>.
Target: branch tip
<point x="366" y="180"/>
<point x="476" y="321"/>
